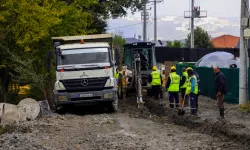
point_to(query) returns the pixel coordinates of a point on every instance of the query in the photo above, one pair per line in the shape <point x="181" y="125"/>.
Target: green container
<point x="180" y="65"/>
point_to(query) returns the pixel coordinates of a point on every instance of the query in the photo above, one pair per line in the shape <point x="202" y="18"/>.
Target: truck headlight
<point x="62" y="98"/>
<point x="108" y="96"/>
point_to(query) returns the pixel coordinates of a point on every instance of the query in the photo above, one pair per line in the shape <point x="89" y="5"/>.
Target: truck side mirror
<point x="113" y="63"/>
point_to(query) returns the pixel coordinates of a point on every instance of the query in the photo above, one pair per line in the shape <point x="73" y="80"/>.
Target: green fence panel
<point x="248" y="81"/>
<point x="232" y="84"/>
<point x="207" y="87"/>
<point x="206" y="81"/>
<point x="207" y="77"/>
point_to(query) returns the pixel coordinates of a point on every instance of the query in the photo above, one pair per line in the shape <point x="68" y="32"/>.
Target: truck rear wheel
<point x="119" y="92"/>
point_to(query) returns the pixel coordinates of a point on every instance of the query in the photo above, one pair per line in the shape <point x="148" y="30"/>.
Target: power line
<point x="130" y="25"/>
<point x="125" y="26"/>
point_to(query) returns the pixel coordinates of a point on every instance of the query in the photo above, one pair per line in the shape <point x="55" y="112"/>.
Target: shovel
<point x="181" y="111"/>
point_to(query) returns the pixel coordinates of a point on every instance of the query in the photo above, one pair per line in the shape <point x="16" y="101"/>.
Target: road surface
<point x="129" y="129"/>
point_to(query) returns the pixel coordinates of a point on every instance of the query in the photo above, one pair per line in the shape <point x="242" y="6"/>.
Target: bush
<point x="245" y="107"/>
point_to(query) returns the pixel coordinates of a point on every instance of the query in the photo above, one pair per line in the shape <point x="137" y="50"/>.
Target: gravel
<point x="128" y="129"/>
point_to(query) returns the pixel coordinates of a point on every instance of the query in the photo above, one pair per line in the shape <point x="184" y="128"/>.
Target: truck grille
<point x="85" y="84"/>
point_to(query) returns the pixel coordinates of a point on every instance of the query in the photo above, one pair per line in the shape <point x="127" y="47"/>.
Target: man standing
<point x="194" y="91"/>
<point x="221" y="90"/>
<point x="156" y="81"/>
<point x="183" y="86"/>
<point x="198" y="81"/>
<point x="173" y="87"/>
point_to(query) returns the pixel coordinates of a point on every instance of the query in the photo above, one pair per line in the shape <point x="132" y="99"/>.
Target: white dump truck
<point x="85" y="70"/>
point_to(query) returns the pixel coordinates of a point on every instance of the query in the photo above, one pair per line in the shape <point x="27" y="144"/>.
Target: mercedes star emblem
<point x="85" y="82"/>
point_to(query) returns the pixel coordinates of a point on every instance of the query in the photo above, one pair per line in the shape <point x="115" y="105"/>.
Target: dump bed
<point x="87" y="39"/>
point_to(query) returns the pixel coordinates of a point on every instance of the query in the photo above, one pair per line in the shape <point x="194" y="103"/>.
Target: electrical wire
<point x="125" y="26"/>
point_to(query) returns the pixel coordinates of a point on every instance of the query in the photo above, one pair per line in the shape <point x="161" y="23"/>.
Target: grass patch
<point x="8" y="129"/>
<point x="245" y="107"/>
<point x="2" y="130"/>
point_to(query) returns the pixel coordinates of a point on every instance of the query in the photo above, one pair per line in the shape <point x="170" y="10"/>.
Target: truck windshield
<point x="83" y="56"/>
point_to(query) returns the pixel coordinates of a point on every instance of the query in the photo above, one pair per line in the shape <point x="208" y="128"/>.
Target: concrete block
<point x="44" y="108"/>
<point x="31" y="107"/>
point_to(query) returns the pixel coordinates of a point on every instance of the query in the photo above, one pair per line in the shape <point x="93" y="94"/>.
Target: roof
<point x="132" y="40"/>
<point x="225" y="41"/>
<point x="86" y="45"/>
<point x="164" y="43"/>
<point x="238" y="45"/>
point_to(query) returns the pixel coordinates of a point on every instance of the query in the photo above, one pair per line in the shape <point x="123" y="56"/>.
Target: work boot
<point x="221" y="114"/>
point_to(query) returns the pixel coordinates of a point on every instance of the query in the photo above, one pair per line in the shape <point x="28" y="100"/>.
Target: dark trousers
<point x="184" y="98"/>
<point x="220" y="100"/>
<point x="196" y="100"/>
<point x="156" y="90"/>
<point x="174" y="99"/>
<point x="193" y="98"/>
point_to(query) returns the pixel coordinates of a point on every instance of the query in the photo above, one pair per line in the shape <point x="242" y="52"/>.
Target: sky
<point x="214" y="8"/>
<point x="218" y="8"/>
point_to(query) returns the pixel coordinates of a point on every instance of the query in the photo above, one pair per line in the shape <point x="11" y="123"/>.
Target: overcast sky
<point x="219" y="8"/>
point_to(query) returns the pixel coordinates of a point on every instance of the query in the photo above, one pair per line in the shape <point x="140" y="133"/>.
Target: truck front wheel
<point x="113" y="107"/>
<point x="60" y="109"/>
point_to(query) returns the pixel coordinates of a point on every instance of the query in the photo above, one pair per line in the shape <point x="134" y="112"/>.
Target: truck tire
<point x="60" y="109"/>
<point x="113" y="107"/>
<point x="119" y="92"/>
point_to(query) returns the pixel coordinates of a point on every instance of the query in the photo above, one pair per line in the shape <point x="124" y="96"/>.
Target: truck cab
<point x="85" y="71"/>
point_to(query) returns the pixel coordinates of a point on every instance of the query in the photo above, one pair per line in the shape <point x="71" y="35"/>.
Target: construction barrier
<point x="207" y="77"/>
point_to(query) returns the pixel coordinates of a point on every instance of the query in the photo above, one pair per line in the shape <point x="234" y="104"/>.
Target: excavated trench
<point x="235" y="132"/>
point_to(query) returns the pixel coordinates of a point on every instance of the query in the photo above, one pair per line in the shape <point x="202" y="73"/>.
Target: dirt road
<point x="129" y="129"/>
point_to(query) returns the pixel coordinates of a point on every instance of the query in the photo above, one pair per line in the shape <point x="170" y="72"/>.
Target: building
<point x="225" y="41"/>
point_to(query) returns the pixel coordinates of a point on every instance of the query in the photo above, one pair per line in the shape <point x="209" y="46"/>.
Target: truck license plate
<point x="86" y="95"/>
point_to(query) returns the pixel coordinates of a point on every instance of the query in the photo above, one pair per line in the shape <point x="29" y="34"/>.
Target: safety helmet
<point x="189" y="68"/>
<point x="154" y="68"/>
<point x="173" y="68"/>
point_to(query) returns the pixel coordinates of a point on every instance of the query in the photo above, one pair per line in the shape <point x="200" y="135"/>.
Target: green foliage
<point x="2" y="130"/>
<point x="174" y="44"/>
<point x="118" y="42"/>
<point x="245" y="107"/>
<point x="26" y="28"/>
<point x="201" y="39"/>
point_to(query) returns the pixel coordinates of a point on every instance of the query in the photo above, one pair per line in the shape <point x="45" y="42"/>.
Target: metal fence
<point x="207" y="77"/>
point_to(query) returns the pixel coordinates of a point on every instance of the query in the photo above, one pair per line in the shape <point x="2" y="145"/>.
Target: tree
<point x="102" y="10"/>
<point x="201" y="39"/>
<point x="118" y="42"/>
<point x="174" y="44"/>
<point x="26" y="28"/>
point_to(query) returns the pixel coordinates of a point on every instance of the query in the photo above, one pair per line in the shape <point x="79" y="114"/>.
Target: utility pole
<point x="194" y="13"/>
<point x="155" y="22"/>
<point x="192" y="25"/>
<point x="155" y="18"/>
<point x="144" y="23"/>
<point x="243" y="87"/>
<point x="145" y="18"/>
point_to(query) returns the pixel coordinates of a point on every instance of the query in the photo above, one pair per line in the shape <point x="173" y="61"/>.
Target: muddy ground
<point x="153" y="127"/>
